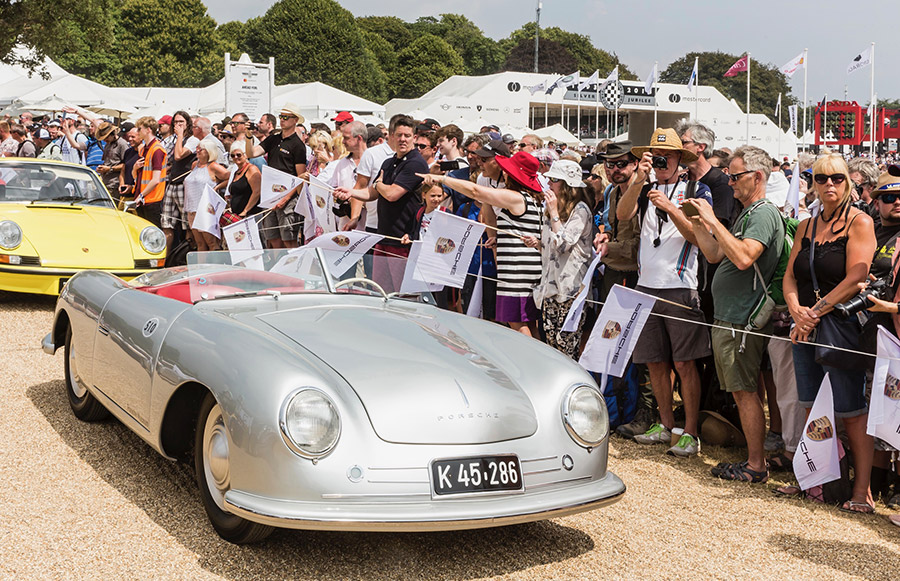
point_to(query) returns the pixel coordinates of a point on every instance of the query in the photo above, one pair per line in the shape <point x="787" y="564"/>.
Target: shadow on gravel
<point x="863" y="560"/>
<point x="18" y="301"/>
<point x="167" y="493"/>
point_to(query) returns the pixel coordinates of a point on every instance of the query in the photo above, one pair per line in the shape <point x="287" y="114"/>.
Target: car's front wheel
<point x="212" y="465"/>
<point x="84" y="405"/>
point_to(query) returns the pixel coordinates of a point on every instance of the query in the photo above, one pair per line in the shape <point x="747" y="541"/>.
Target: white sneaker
<point x="657" y="434"/>
<point x="687" y="445"/>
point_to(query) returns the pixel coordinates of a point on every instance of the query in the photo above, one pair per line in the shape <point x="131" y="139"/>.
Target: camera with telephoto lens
<point x="880" y="289"/>
<point x="660" y="162"/>
<point x="251" y="126"/>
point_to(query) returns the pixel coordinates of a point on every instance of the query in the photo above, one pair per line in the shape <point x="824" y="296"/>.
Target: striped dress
<point x="518" y="266"/>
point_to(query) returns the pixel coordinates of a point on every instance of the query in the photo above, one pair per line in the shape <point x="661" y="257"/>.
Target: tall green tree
<point x="316" y="40"/>
<point x="481" y="55"/>
<point x="232" y="37"/>
<point x="552" y="58"/>
<point x="167" y="43"/>
<point x="588" y="58"/>
<point x="766" y="81"/>
<point x="66" y="26"/>
<point x="394" y="30"/>
<point x="424" y="64"/>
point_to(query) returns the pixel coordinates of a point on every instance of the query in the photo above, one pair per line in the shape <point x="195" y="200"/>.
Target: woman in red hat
<point x="519" y="215"/>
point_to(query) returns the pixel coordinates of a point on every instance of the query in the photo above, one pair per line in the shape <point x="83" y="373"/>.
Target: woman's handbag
<point x="834" y="331"/>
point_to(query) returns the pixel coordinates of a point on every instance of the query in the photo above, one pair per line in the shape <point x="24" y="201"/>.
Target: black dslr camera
<point x="660" y="162"/>
<point x="880" y="289"/>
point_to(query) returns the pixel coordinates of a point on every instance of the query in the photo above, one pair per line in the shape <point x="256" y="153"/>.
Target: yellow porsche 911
<point x="57" y="219"/>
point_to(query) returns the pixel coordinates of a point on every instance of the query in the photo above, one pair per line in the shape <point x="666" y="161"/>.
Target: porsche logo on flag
<point x="444" y="246"/>
<point x="611" y="330"/>
<point x="820" y="429"/>
<point x="892" y="387"/>
<point x="341" y="240"/>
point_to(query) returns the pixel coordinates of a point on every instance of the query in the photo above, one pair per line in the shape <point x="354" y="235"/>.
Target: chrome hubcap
<point x="77" y="389"/>
<point x="215" y="456"/>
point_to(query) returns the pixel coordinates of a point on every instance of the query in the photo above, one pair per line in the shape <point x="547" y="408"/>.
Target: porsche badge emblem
<point x="820" y="429"/>
<point x="85" y="250"/>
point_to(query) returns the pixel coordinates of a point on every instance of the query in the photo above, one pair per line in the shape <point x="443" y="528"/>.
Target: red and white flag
<point x="616" y="331"/>
<point x="817" y="459"/>
<point x="884" y="407"/>
<point x="739" y="67"/>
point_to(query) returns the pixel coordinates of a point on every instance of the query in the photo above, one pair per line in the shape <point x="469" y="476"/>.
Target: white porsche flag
<point x="242" y="239"/>
<point x="616" y="331"/>
<point x="209" y="210"/>
<point x="884" y="407"/>
<point x="816" y="460"/>
<point x="574" y="314"/>
<point x="792" y="204"/>
<point x="344" y="249"/>
<point x="411" y="282"/>
<point x="275" y="185"/>
<point x="297" y="262"/>
<point x="315" y="203"/>
<point x="447" y="249"/>
<point x="476" y="303"/>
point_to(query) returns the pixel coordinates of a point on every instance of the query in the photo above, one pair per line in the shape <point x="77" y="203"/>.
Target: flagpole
<point x="578" y="117"/>
<point x="872" y="99"/>
<point x="825" y="122"/>
<point x="597" y="111"/>
<point x="617" y="102"/>
<point x="546" y="115"/>
<point x="779" y="124"/>
<point x="805" y="103"/>
<point x="748" y="98"/>
<point x="697" y="85"/>
<point x="655" y="100"/>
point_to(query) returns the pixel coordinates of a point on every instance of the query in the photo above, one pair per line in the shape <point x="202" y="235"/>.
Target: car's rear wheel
<point x="84" y="405"/>
<point x="211" y="463"/>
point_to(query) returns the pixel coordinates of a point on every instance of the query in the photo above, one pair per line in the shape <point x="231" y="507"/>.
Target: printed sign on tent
<point x="616" y="331"/>
<point x="275" y="185"/>
<point x="447" y="249"/>
<point x="884" y="407"/>
<point x="343" y="249"/>
<point x="816" y="460"/>
<point x="209" y="210"/>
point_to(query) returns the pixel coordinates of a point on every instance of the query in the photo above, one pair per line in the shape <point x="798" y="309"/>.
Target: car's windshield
<point x="50" y="183"/>
<point x="246" y="273"/>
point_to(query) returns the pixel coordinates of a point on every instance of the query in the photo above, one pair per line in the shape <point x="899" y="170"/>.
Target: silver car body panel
<point x="412" y="384"/>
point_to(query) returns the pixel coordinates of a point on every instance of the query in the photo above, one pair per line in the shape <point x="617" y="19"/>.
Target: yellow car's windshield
<point x="50" y="183"/>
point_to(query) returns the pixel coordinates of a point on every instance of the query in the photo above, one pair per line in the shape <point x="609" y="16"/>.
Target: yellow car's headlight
<point x="153" y="240"/>
<point x="10" y="235"/>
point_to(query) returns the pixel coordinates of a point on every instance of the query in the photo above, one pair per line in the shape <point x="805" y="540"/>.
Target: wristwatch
<point x="555" y="218"/>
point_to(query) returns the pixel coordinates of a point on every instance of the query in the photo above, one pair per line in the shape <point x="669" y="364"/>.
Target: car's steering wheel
<point x="364" y="281"/>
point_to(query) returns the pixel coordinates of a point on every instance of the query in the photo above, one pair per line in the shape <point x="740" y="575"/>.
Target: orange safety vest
<point x="157" y="193"/>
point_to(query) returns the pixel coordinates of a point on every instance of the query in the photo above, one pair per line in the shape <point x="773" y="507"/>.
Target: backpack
<point x="93" y="156"/>
<point x="775" y="288"/>
<point x="621" y="395"/>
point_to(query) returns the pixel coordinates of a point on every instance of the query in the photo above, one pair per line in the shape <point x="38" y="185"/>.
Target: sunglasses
<point x="423" y="145"/>
<point x="736" y="176"/>
<point x="237" y="155"/>
<point x="889" y="198"/>
<point x="555" y="180"/>
<point x="621" y="164"/>
<point x="286" y="117"/>
<point x="836" y="178"/>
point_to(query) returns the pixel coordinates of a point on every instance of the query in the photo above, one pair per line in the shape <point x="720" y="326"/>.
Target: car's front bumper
<point x="421" y="513"/>
<point x="49" y="281"/>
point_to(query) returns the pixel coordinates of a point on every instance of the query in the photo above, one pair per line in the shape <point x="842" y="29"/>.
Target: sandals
<point x="858" y="507"/>
<point x="788" y="491"/>
<point x="740" y="472"/>
<point x="780" y="463"/>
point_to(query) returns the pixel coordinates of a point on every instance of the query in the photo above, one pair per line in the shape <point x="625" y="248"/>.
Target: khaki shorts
<point x="738" y="371"/>
<point x="664" y="339"/>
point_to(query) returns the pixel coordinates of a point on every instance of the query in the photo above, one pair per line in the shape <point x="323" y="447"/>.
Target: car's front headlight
<point x="153" y="240"/>
<point x="10" y="235"/>
<point x="310" y="423"/>
<point x="585" y="416"/>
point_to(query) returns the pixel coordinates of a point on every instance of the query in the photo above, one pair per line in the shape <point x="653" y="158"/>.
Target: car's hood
<point x="66" y="236"/>
<point x="420" y="379"/>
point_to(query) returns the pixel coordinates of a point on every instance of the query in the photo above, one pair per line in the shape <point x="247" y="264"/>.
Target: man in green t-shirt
<point x="755" y="239"/>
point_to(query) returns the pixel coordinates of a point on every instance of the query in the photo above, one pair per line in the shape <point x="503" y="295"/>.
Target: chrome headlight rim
<point x="566" y="415"/>
<point x="146" y="242"/>
<point x="16" y="237"/>
<point x="285" y="432"/>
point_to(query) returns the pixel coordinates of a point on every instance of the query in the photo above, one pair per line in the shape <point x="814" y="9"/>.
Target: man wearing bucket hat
<point x="667" y="259"/>
<point x="113" y="153"/>
<point x="287" y="153"/>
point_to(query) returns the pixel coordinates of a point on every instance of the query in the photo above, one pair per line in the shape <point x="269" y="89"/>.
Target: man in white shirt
<point x="345" y="171"/>
<point x="369" y="165"/>
<point x="203" y="132"/>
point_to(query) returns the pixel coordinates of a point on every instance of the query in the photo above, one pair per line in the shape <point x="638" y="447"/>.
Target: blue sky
<point x="644" y="31"/>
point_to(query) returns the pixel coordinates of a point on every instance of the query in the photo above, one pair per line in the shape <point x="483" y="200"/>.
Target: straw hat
<point x="293" y="109"/>
<point x="718" y="431"/>
<point x="887" y="183"/>
<point x="666" y="139"/>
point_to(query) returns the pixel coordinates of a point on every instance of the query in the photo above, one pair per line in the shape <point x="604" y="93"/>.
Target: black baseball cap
<point x="492" y="148"/>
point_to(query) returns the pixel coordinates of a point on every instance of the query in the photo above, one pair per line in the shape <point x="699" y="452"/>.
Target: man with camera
<point x="747" y="256"/>
<point x="667" y="259"/>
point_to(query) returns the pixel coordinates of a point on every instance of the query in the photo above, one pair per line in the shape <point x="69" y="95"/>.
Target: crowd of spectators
<point x="702" y="229"/>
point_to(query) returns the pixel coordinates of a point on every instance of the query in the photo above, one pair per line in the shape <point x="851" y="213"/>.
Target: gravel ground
<point x="80" y="501"/>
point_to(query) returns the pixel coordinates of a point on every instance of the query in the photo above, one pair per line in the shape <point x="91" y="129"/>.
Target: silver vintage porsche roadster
<point x="308" y="401"/>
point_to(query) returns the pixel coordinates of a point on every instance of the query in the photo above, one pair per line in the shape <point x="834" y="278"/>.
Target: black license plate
<point x="479" y="474"/>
